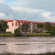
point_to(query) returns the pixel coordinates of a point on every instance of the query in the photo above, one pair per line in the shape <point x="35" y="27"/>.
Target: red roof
<point x="21" y="21"/>
<point x="52" y="22"/>
<point x="10" y="20"/>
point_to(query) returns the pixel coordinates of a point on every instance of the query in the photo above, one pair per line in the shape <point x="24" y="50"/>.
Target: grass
<point x="27" y="34"/>
<point x="6" y="34"/>
<point x="36" y="34"/>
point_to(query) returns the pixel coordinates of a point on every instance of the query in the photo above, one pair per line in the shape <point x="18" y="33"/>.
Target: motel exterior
<point x="14" y="24"/>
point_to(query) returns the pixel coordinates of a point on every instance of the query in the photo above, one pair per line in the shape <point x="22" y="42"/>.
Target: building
<point x="14" y="24"/>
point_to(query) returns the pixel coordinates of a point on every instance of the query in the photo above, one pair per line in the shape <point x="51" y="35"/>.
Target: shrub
<point x="35" y="31"/>
<point x="8" y="32"/>
<point x="50" y="53"/>
<point x="17" y="32"/>
<point x="52" y="33"/>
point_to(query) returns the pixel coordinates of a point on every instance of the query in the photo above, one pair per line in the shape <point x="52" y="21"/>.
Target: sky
<point x="33" y="10"/>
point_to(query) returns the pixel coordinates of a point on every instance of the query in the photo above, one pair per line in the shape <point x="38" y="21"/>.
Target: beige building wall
<point x="31" y="27"/>
<point x="12" y="28"/>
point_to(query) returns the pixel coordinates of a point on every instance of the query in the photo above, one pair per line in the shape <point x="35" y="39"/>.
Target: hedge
<point x="52" y="33"/>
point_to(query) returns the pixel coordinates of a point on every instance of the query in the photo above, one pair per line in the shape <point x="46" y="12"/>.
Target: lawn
<point x="36" y="34"/>
<point x="26" y="34"/>
<point x="6" y="34"/>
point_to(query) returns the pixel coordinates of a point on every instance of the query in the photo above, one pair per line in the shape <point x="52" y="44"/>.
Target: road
<point x="27" y="45"/>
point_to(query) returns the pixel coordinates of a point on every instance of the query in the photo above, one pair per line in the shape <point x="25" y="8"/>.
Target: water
<point x="27" y="45"/>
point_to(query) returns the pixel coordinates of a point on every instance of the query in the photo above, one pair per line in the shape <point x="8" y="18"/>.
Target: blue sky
<point x="33" y="10"/>
<point x="9" y="0"/>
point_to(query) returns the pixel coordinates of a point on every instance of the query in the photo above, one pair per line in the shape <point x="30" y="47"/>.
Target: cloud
<point x="6" y="11"/>
<point x="36" y="4"/>
<point x="18" y="3"/>
<point x="25" y="10"/>
<point x="30" y="10"/>
<point x="2" y="15"/>
<point x="44" y="13"/>
<point x="48" y="14"/>
<point x="1" y="1"/>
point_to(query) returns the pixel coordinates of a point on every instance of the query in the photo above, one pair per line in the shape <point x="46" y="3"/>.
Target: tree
<point x="53" y="29"/>
<point x="17" y="32"/>
<point x="24" y="27"/>
<point x="48" y="26"/>
<point x="35" y="31"/>
<point x="3" y="26"/>
<point x="40" y="26"/>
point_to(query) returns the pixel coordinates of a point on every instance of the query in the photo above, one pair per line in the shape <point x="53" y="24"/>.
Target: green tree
<point x="3" y="26"/>
<point x="17" y="32"/>
<point x="53" y="29"/>
<point x="48" y="26"/>
<point x="35" y="31"/>
<point x="24" y="27"/>
<point x="40" y="26"/>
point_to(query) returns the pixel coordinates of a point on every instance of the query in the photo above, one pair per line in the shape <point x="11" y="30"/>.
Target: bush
<point x="35" y="31"/>
<point x="50" y="53"/>
<point x="52" y="33"/>
<point x="17" y="32"/>
<point x="8" y="32"/>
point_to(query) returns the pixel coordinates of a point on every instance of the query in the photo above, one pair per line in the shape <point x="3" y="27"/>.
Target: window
<point x="16" y="23"/>
<point x="12" y="24"/>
